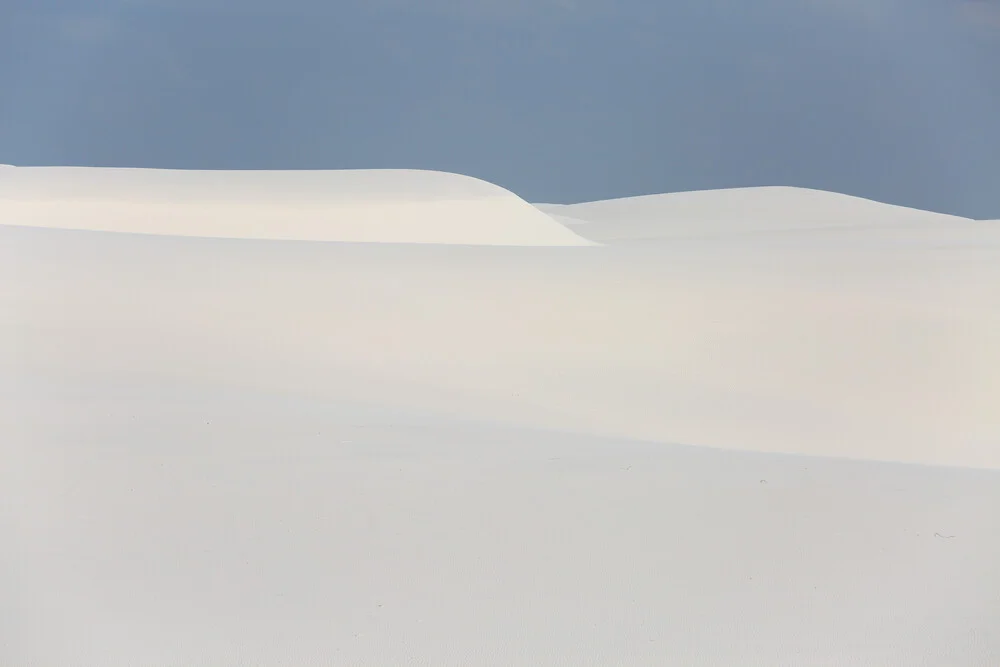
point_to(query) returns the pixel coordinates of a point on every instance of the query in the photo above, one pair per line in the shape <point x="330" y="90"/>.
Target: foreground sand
<point x="772" y="446"/>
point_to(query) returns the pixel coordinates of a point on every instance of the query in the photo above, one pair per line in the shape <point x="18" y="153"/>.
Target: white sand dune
<point x="738" y="210"/>
<point x="388" y="206"/>
<point x="677" y="451"/>
<point x="870" y="347"/>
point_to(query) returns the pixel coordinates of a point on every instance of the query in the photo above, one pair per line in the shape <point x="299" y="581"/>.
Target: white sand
<point x="232" y="451"/>
<point x="739" y="210"/>
<point x="389" y="206"/>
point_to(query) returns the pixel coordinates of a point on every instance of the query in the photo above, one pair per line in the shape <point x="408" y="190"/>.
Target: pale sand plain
<point x="752" y="427"/>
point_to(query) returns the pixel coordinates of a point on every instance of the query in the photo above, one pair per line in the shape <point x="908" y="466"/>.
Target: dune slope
<point x="871" y="347"/>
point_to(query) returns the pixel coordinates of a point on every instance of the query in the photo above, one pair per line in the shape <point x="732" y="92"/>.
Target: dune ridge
<point x="386" y="206"/>
<point x="734" y="211"/>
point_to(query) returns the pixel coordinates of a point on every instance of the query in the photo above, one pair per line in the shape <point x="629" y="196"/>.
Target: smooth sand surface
<point x="734" y="211"/>
<point x="388" y="206"/>
<point x="777" y="448"/>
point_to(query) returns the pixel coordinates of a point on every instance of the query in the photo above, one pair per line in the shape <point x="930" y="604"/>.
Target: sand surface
<point x="774" y="446"/>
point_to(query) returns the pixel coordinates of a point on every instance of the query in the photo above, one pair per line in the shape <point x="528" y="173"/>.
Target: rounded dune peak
<point x="734" y="210"/>
<point x="377" y="205"/>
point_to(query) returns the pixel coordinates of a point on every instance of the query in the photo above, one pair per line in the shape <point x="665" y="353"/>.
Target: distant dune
<point x="385" y="206"/>
<point x="740" y="210"/>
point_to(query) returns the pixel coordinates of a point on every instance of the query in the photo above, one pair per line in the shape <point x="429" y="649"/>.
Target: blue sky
<point x="558" y="100"/>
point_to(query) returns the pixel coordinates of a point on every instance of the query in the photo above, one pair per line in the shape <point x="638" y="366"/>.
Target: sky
<point x="558" y="100"/>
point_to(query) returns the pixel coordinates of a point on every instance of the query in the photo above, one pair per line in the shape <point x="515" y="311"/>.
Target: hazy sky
<point x="558" y="100"/>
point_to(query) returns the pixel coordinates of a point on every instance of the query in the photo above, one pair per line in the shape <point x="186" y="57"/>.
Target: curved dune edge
<point x="374" y="206"/>
<point x="735" y="210"/>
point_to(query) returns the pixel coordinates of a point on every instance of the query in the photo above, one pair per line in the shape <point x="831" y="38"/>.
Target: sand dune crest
<point x="738" y="210"/>
<point x="382" y="206"/>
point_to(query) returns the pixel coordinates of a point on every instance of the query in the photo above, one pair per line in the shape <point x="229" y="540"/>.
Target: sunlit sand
<point x="381" y="418"/>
